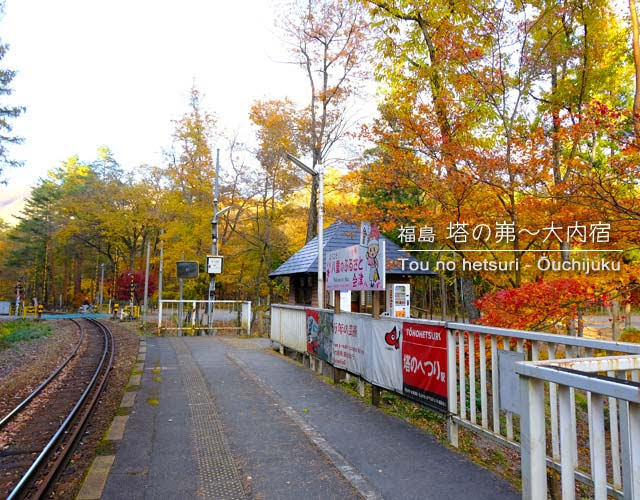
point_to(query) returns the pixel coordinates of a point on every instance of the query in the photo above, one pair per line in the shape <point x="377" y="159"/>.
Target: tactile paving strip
<point x="218" y="475"/>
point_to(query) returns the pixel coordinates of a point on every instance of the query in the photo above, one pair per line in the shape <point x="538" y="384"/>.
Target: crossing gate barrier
<point x="130" y="312"/>
<point x="189" y="317"/>
<point x="30" y="311"/>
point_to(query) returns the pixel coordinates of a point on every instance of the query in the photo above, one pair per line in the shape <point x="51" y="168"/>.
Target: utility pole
<point x="214" y="240"/>
<point x="320" y="235"/>
<point x="146" y="284"/>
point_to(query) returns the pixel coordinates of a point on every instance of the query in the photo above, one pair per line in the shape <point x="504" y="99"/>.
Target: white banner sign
<point x="356" y="267"/>
<point x="348" y="342"/>
<point x="383" y="354"/>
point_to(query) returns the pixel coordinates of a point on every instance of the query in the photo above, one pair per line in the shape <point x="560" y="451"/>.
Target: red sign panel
<point x="424" y="364"/>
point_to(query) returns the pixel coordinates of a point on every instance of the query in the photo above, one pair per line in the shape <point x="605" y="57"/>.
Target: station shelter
<point x="302" y="271"/>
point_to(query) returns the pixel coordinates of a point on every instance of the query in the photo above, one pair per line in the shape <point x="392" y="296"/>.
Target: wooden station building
<point x="302" y="270"/>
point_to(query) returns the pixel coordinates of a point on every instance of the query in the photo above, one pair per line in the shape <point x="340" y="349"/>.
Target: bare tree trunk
<point x="455" y="297"/>
<point x="65" y="282"/>
<point x="468" y="298"/>
<point x="77" y="279"/>
<point x="443" y="299"/>
<point x="312" y="219"/>
<point x="580" y="322"/>
<point x="615" y="324"/>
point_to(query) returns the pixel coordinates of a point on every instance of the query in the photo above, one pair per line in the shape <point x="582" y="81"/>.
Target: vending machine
<point x="399" y="300"/>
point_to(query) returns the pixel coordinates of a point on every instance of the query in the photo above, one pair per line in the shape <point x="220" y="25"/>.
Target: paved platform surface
<point x="226" y="418"/>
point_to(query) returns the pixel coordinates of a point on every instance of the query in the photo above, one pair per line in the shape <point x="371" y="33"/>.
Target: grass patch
<point x="132" y="388"/>
<point x="21" y="329"/>
<point x="106" y="447"/>
<point x="121" y="411"/>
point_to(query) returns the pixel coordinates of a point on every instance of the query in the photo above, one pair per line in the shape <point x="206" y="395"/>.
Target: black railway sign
<point x="187" y="269"/>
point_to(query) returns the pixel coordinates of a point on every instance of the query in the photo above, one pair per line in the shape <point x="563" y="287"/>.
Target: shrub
<point x="630" y="334"/>
<point x="21" y="329"/>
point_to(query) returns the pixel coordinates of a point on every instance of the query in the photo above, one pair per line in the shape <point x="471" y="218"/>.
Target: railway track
<point x="39" y="452"/>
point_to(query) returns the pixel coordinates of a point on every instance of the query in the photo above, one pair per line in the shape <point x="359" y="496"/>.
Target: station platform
<point x="227" y="418"/>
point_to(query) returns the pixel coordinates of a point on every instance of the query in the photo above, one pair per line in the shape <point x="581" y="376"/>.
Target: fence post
<point x="375" y="395"/>
<point x="630" y="441"/>
<point x="452" y="397"/>
<point x="532" y="439"/>
<point x="246" y="316"/>
<point x="193" y="318"/>
<point x="567" y="459"/>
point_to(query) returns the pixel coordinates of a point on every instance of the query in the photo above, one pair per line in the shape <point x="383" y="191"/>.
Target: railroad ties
<point x="48" y="424"/>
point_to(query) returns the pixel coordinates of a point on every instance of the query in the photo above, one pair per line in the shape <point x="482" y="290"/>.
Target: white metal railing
<point x="190" y="316"/>
<point x="475" y="384"/>
<point x="613" y="425"/>
<point x="463" y="369"/>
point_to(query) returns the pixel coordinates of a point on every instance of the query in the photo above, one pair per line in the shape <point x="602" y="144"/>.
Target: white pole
<point x="160" y="267"/>
<point x="214" y="245"/>
<point x="320" y="235"/>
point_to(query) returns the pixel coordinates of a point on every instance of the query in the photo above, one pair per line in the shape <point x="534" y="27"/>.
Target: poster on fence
<point x="320" y="334"/>
<point x="424" y="364"/>
<point x="383" y="355"/>
<point x="348" y="342"/>
<point x="356" y="267"/>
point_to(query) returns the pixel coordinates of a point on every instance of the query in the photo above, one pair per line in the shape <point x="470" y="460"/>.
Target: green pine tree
<point x="7" y="112"/>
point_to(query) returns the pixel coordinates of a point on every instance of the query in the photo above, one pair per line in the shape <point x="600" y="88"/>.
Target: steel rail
<point x="9" y="416"/>
<point x="22" y="487"/>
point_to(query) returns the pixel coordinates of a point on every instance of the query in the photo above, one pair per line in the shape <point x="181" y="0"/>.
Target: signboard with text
<point x="356" y="267"/>
<point x="348" y="342"/>
<point x="424" y="364"/>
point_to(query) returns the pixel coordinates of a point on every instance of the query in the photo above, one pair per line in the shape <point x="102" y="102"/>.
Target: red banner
<point x="424" y="364"/>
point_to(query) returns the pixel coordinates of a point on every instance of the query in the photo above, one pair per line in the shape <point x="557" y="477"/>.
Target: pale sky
<point x="117" y="72"/>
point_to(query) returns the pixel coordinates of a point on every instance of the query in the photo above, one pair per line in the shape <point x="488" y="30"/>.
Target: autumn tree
<point x="188" y="178"/>
<point x="328" y="40"/>
<point x="635" y="43"/>
<point x="482" y="118"/>
<point x="278" y="133"/>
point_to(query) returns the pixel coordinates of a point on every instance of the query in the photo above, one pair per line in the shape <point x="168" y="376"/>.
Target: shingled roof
<point x="340" y="235"/>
